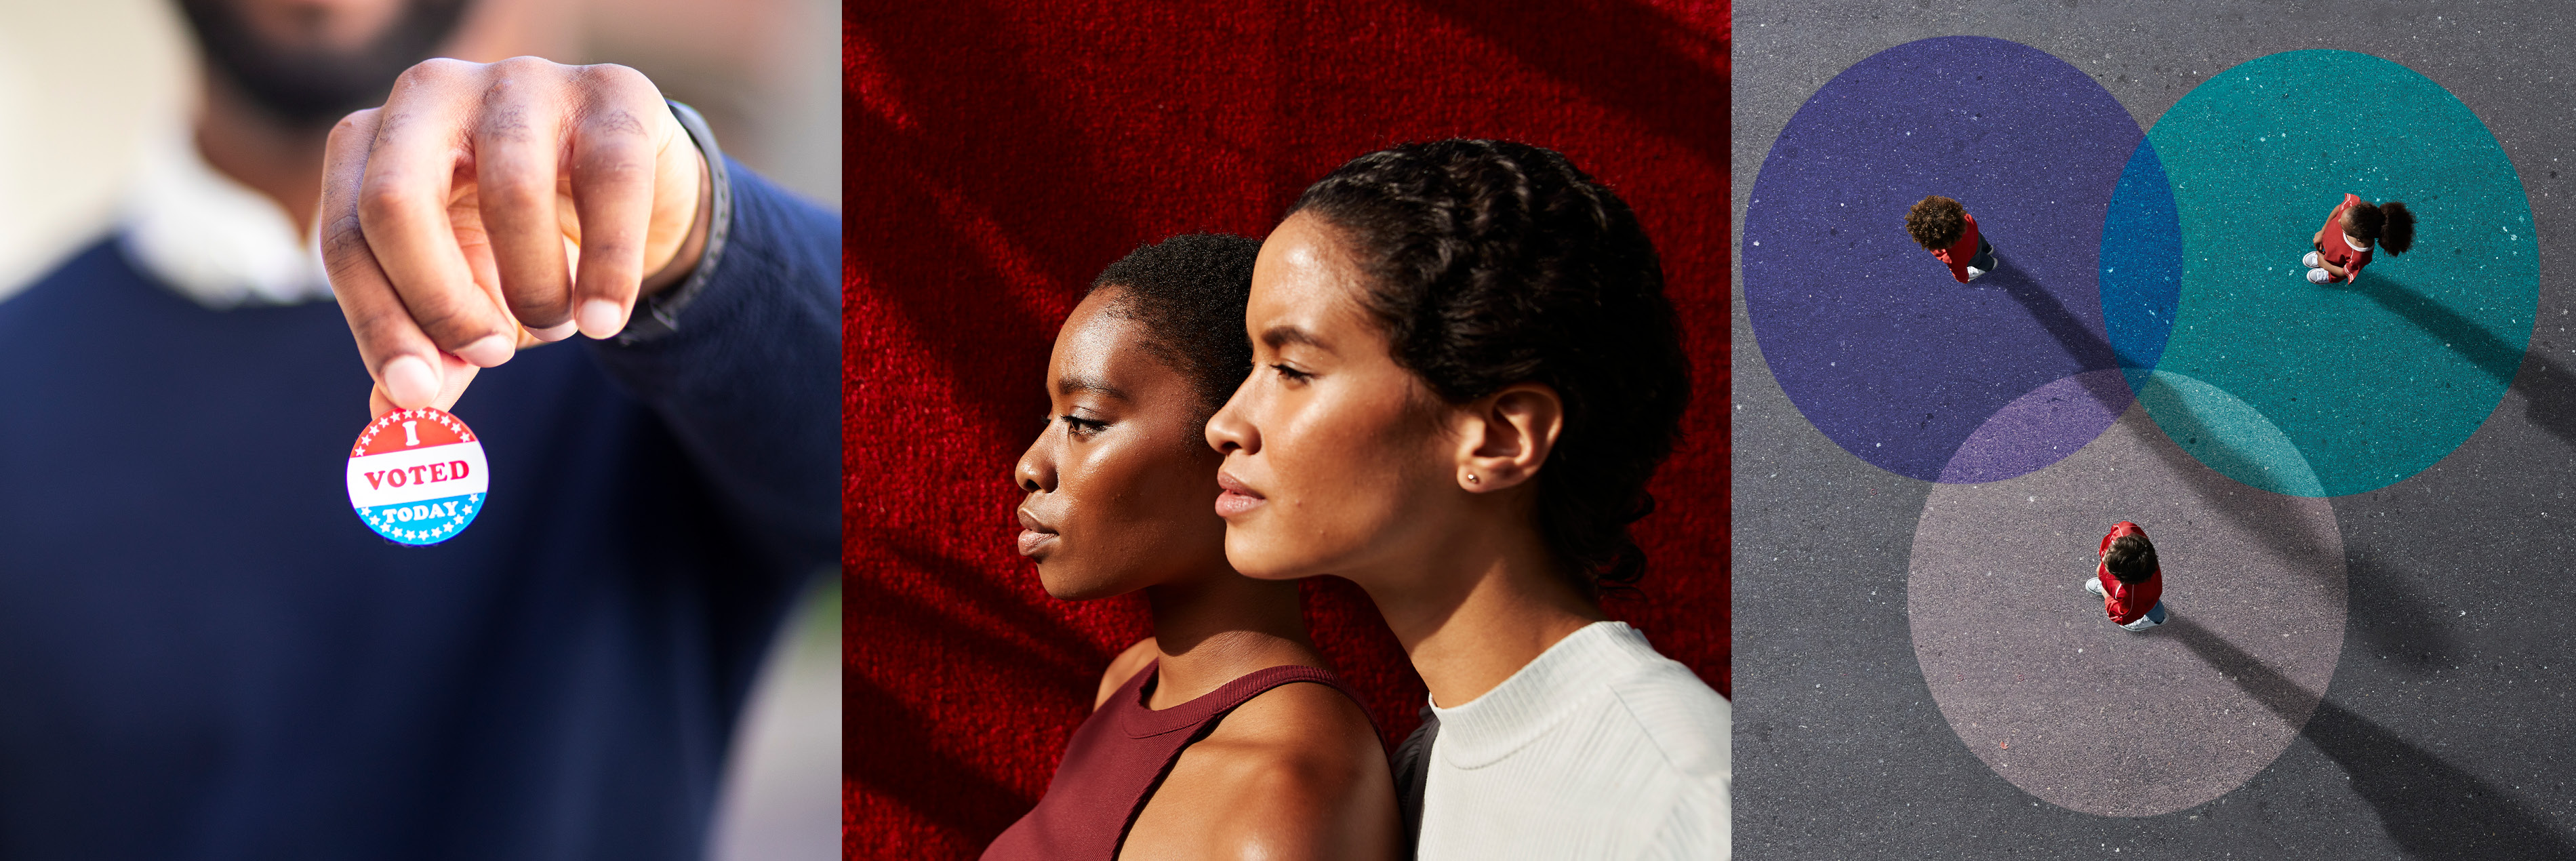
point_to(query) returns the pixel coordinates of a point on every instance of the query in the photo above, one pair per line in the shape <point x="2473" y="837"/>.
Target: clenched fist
<point x="487" y="207"/>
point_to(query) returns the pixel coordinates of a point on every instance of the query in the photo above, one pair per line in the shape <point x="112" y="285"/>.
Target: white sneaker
<point x="2319" y="276"/>
<point x="2309" y="261"/>
<point x="2094" y="585"/>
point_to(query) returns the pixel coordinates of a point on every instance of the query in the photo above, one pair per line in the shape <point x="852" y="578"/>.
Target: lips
<point x="1238" y="497"/>
<point x="1034" y="535"/>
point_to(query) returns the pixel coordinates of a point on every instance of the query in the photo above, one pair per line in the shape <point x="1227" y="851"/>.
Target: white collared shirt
<point x="211" y="238"/>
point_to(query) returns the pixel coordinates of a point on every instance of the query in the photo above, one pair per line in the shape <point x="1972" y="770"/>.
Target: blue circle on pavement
<point x="1868" y="334"/>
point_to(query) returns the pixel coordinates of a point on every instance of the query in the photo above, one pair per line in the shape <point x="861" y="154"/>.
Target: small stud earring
<point x="1471" y="478"/>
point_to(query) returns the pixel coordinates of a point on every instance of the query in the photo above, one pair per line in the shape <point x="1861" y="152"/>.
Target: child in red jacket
<point x="1946" y="229"/>
<point x="2132" y="587"/>
<point x="2354" y="224"/>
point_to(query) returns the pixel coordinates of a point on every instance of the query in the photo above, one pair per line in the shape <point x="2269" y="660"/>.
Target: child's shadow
<point x="2432" y="809"/>
<point x="2548" y="388"/>
<point x="2090" y="350"/>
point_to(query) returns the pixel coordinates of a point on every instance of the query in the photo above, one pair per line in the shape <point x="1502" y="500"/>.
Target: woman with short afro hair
<point x="1225" y="734"/>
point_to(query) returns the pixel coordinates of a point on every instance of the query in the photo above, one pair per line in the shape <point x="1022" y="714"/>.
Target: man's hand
<point x="487" y="207"/>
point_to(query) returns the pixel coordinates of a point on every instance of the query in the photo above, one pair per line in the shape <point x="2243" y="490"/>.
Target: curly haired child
<point x="1946" y="229"/>
<point x="2130" y="583"/>
<point x="2355" y="224"/>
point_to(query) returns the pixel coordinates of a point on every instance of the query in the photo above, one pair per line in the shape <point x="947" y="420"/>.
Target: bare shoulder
<point x="1300" y="724"/>
<point x="1297" y="772"/>
<point x="1122" y="668"/>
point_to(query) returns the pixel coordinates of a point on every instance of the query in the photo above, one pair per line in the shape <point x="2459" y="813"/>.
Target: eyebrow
<point x="1071" y="383"/>
<point x="1278" y="336"/>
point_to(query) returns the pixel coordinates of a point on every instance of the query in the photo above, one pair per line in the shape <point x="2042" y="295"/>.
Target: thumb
<point x="454" y="376"/>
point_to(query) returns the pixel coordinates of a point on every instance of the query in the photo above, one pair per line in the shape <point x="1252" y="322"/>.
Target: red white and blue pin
<point x="417" y="476"/>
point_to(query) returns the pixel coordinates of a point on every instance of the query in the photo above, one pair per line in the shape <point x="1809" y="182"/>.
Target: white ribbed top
<point x="1600" y="748"/>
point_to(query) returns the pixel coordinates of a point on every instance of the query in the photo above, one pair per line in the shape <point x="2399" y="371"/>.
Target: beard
<point x="309" y="86"/>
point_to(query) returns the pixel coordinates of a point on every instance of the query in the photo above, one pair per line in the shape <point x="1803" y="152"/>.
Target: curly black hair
<point x="1935" y="222"/>
<point x="2390" y="223"/>
<point x="1493" y="263"/>
<point x="1189" y="293"/>
<point x="2130" y="559"/>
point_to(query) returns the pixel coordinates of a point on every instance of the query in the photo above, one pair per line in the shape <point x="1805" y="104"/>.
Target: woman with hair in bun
<point x="1224" y="735"/>
<point x="1464" y="372"/>
<point x="2355" y="224"/>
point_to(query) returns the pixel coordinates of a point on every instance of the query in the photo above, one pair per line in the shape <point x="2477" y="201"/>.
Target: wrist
<point x="657" y="312"/>
<point x="693" y="248"/>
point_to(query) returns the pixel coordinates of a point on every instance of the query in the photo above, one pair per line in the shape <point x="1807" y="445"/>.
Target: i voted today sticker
<point x="417" y="476"/>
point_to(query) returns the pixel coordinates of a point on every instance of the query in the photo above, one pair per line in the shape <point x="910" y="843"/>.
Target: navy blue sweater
<point x="204" y="654"/>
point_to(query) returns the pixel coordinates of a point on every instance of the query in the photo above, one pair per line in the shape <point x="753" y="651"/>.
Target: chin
<point x="1075" y="592"/>
<point x="1065" y="588"/>
<point x="1073" y="586"/>
<point x="1261" y="560"/>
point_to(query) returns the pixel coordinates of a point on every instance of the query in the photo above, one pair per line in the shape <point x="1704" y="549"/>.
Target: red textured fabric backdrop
<point x="998" y="155"/>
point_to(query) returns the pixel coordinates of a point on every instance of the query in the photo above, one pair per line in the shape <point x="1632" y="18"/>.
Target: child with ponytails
<point x="2354" y="225"/>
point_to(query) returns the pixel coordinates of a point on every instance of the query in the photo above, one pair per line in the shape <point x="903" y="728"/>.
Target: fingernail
<point x="410" y="382"/>
<point x="491" y="351"/>
<point x="556" y="332"/>
<point x="600" y="318"/>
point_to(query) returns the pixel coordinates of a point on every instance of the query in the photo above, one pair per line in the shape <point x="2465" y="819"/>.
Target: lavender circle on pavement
<point x="2042" y="688"/>
<point x="1868" y="334"/>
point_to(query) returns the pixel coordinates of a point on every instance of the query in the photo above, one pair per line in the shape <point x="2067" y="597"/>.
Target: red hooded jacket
<point x="2337" y="249"/>
<point x="1962" y="251"/>
<point x="2127" y="602"/>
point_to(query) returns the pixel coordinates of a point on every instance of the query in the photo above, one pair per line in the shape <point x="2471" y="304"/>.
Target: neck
<point x="277" y="159"/>
<point x="1476" y="610"/>
<point x="1214" y="630"/>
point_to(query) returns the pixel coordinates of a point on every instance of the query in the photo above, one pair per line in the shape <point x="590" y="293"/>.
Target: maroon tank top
<point x="1117" y="758"/>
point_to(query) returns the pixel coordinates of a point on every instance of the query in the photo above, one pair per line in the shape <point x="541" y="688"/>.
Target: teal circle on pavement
<point x="2367" y="382"/>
